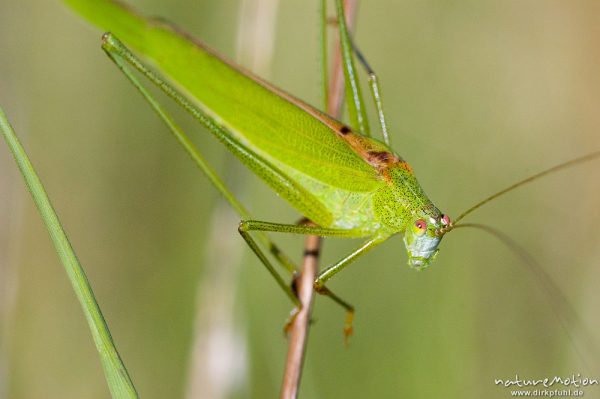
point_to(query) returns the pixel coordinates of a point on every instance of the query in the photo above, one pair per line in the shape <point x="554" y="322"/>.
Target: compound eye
<point x="445" y="220"/>
<point x="420" y="227"/>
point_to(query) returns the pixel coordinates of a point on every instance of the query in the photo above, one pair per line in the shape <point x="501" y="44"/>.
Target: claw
<point x="348" y="327"/>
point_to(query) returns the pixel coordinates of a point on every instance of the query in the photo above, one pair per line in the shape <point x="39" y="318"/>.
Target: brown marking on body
<point x="384" y="160"/>
<point x="373" y="152"/>
<point x="345" y="130"/>
<point x="404" y="165"/>
<point x="379" y="156"/>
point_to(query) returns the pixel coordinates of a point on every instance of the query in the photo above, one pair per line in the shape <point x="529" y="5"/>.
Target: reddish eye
<point x="420" y="224"/>
<point x="445" y="220"/>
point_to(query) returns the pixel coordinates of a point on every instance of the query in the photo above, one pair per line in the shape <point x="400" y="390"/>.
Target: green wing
<point x="272" y="123"/>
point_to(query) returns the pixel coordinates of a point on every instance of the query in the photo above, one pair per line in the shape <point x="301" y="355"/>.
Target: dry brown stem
<point x="298" y="331"/>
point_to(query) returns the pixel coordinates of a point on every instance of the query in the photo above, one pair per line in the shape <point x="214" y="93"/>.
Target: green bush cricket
<point x="349" y="184"/>
<point x="457" y="298"/>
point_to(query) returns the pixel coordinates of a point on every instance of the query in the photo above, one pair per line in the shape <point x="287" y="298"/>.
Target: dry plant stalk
<point x="298" y="331"/>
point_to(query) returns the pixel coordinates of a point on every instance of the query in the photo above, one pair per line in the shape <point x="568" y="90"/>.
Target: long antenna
<point x="561" y="307"/>
<point x="520" y="183"/>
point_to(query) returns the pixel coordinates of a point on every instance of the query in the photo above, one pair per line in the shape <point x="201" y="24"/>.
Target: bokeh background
<point x="478" y="95"/>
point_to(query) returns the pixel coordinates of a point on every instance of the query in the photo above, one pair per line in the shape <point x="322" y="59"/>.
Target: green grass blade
<point x="118" y="379"/>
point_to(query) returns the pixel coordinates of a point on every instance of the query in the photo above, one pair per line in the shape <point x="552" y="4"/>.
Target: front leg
<point x="246" y="226"/>
<point x="319" y="284"/>
<point x="342" y="263"/>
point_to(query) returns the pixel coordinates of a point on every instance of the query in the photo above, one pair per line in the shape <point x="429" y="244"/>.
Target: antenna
<point x="520" y="183"/>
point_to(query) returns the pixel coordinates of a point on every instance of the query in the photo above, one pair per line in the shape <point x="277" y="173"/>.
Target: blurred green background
<point x="478" y="94"/>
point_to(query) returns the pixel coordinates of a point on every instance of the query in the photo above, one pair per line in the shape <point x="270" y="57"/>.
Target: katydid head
<point x="424" y="235"/>
<point x="422" y="238"/>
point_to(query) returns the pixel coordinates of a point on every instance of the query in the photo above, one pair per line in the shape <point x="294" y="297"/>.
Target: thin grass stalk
<point x="116" y="374"/>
